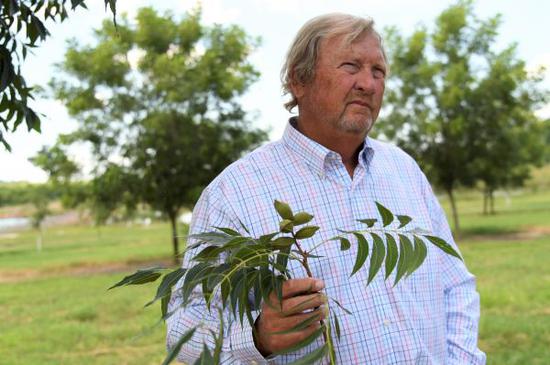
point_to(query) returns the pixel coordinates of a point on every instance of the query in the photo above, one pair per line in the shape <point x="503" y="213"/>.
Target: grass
<point x="83" y="245"/>
<point x="74" y="320"/>
<point x="515" y="212"/>
<point x="63" y="313"/>
<point x="59" y="311"/>
<point x="514" y="283"/>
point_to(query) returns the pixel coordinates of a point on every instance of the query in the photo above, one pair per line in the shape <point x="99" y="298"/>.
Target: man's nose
<point x="365" y="82"/>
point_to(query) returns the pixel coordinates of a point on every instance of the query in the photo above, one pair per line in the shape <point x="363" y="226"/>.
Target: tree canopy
<point x="461" y="108"/>
<point x="158" y="102"/>
<point x="28" y="17"/>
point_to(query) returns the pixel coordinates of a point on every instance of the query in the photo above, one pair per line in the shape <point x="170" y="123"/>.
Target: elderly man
<point x="327" y="165"/>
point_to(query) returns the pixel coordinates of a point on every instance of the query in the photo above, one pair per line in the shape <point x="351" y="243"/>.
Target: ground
<point x="56" y="308"/>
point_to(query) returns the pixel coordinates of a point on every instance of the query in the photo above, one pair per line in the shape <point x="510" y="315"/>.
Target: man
<point x="326" y="164"/>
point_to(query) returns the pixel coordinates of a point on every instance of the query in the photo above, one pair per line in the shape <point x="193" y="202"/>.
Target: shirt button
<point x="386" y="322"/>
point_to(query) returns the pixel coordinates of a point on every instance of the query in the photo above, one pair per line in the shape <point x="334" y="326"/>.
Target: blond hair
<point x="301" y="58"/>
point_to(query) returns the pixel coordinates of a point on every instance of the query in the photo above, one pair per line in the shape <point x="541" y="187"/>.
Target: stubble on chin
<point x="361" y="127"/>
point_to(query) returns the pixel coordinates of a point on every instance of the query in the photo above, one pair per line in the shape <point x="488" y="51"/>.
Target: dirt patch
<point x="83" y="269"/>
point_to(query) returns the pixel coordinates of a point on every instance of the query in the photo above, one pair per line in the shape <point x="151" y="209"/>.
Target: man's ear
<point x="297" y="88"/>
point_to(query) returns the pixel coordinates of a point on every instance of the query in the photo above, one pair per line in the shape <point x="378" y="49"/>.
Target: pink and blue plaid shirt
<point x="429" y="318"/>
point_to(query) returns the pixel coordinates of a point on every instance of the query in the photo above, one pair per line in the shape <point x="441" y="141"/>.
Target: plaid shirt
<point x="429" y="318"/>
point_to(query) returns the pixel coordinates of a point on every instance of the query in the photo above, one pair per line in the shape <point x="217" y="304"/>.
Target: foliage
<point x="16" y="17"/>
<point x="461" y="109"/>
<point x="157" y="101"/>
<point x="228" y="266"/>
<point x="17" y="193"/>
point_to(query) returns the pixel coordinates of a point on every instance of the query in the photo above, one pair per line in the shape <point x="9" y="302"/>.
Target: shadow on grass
<point x="507" y="212"/>
<point x="487" y="231"/>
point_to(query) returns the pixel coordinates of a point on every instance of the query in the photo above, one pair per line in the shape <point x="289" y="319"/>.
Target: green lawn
<point x="59" y="311"/>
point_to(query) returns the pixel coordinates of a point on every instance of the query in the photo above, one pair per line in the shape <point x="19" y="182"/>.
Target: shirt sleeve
<point x="461" y="298"/>
<point x="211" y="210"/>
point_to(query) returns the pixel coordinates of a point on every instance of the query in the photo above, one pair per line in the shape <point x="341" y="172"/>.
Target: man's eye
<point x="379" y="73"/>
<point x="350" y="67"/>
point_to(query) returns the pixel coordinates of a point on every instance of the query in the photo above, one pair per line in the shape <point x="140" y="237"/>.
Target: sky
<point x="276" y="22"/>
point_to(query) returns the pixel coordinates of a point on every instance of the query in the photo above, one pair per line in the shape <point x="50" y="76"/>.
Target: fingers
<point x="294" y="287"/>
<point x="292" y="321"/>
<point x="272" y="340"/>
<point x="302" y="303"/>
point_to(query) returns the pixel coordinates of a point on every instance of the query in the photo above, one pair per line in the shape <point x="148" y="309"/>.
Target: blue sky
<point x="276" y="22"/>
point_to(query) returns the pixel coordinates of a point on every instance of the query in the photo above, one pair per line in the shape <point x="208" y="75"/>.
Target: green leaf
<point x="140" y="277"/>
<point x="302" y="218"/>
<point x="405" y="257"/>
<point x="419" y="255"/>
<point x="403" y="220"/>
<point x="282" y="257"/>
<point x="443" y="245"/>
<point x="337" y="326"/>
<point x="312" y="357"/>
<point x="341" y="306"/>
<point x="266" y="238"/>
<point x="218" y="338"/>
<point x="112" y="6"/>
<point x="377" y="257"/>
<point x="209" y="253"/>
<point x="306" y="341"/>
<point x="193" y="277"/>
<point x="369" y="222"/>
<point x="391" y="254"/>
<point x="213" y="238"/>
<point x="166" y="284"/>
<point x="345" y="244"/>
<point x="164" y="301"/>
<point x="362" y="252"/>
<point x="173" y="353"/>
<point x="228" y="231"/>
<point x="243" y="226"/>
<point x="206" y="357"/>
<point x="385" y="213"/>
<point x="306" y="232"/>
<point x="284" y="210"/>
<point x="7" y="72"/>
<point x="286" y="226"/>
<point x="282" y="242"/>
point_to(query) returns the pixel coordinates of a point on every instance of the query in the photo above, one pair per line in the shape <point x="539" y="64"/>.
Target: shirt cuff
<point x="242" y="343"/>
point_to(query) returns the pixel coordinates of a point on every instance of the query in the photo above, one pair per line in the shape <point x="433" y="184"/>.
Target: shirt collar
<point x="316" y="155"/>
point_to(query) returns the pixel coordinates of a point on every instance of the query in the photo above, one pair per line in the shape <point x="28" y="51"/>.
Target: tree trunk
<point x="454" y="210"/>
<point x="175" y="242"/>
<point x="39" y="240"/>
<point x="485" y="202"/>
<point x="492" y="201"/>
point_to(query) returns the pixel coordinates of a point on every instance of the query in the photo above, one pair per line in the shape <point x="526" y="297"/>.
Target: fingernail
<point x="318" y="285"/>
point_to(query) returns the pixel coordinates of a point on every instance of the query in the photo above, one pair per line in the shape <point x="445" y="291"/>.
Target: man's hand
<point x="299" y="295"/>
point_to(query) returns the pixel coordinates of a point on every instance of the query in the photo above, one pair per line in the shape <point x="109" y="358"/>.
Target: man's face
<point x="347" y="91"/>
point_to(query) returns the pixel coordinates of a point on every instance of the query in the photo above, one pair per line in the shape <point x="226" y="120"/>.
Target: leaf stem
<point x="326" y="332"/>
